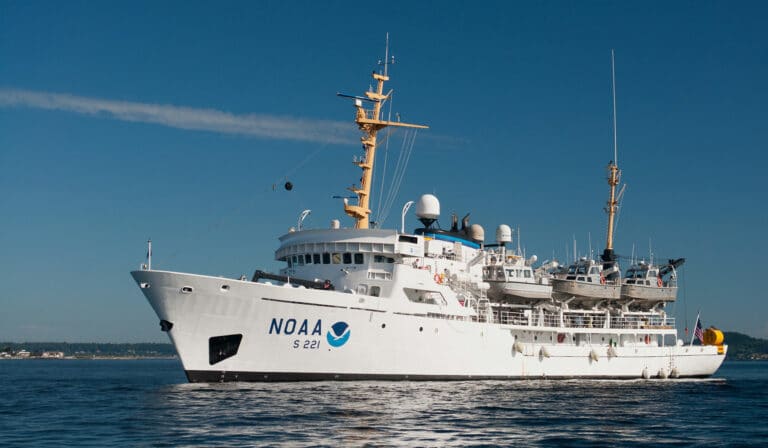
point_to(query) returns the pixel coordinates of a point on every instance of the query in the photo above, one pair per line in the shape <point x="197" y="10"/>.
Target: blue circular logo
<point x="338" y="335"/>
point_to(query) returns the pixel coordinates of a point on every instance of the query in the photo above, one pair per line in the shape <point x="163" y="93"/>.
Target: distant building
<point x="22" y="353"/>
<point x="53" y="355"/>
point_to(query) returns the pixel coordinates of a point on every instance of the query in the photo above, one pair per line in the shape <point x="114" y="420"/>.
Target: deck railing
<point x="532" y="318"/>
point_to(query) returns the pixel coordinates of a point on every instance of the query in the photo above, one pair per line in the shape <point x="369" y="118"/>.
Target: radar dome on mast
<point x="503" y="234"/>
<point x="428" y="209"/>
<point x="477" y="233"/>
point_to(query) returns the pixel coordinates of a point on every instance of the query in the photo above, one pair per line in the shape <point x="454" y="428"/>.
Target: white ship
<point x="366" y="303"/>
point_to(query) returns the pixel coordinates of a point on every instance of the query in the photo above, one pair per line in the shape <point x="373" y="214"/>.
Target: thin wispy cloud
<point x="255" y="125"/>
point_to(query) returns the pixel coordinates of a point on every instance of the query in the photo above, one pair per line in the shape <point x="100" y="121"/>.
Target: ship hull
<point x="648" y="293"/>
<point x="291" y="334"/>
<point x="512" y="290"/>
<point x="564" y="289"/>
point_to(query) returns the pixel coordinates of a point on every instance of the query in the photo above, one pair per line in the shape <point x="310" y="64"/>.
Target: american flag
<point x="698" y="332"/>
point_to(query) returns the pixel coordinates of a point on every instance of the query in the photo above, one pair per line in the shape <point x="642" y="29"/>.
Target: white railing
<point x="531" y="318"/>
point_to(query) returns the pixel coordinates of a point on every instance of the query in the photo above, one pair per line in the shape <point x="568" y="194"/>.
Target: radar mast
<point x="370" y="123"/>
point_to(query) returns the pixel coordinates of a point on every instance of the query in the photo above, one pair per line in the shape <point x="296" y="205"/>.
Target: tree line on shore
<point x="90" y="349"/>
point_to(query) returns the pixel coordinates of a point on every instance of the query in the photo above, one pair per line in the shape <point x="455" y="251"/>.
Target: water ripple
<point x="148" y="403"/>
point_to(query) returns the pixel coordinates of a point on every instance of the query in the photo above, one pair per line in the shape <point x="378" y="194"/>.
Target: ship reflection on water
<point x="440" y="414"/>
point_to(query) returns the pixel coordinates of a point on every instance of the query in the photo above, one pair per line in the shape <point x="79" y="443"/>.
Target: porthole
<point x="383" y="325"/>
<point x="144" y="285"/>
<point x="224" y="288"/>
<point x="421" y="328"/>
<point x="535" y="338"/>
<point x="186" y="290"/>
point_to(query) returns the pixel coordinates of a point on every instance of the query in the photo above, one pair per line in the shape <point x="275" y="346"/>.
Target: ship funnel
<point x="503" y="234"/>
<point x="428" y="209"/>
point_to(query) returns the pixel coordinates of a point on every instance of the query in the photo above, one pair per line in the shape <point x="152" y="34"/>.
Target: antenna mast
<point x="370" y="123"/>
<point x="613" y="90"/>
<point x="613" y="177"/>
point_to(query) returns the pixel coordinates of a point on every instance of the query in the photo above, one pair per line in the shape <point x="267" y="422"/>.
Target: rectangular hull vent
<point x="223" y="347"/>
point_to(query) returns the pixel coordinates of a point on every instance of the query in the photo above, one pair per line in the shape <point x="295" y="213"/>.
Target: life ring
<point x="647" y="339"/>
<point x="602" y="279"/>
<point x="560" y="338"/>
<point x="659" y="282"/>
<point x="438" y="279"/>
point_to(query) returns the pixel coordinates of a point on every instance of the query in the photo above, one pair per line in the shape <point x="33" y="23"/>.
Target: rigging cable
<point x="409" y="141"/>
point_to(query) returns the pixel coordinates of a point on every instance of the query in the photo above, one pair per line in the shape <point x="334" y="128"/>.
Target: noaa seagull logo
<point x="338" y="335"/>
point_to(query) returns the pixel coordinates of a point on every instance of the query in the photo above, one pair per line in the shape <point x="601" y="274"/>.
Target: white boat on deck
<point x="367" y="303"/>
<point x="586" y="281"/>
<point x="511" y="276"/>
<point x="649" y="284"/>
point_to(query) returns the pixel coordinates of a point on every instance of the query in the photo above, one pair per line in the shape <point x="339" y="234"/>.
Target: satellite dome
<point x="428" y="209"/>
<point x="503" y="234"/>
<point x="476" y="232"/>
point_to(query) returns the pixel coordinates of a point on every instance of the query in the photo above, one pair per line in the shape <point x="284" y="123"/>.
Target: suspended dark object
<point x="288" y="186"/>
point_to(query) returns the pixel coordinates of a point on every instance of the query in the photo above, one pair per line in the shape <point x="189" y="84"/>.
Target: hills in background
<point x="740" y="347"/>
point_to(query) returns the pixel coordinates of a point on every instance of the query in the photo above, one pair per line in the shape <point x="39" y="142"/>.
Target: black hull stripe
<point x="208" y="376"/>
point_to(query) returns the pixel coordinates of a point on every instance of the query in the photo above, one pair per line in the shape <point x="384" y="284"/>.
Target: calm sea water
<point x="148" y="403"/>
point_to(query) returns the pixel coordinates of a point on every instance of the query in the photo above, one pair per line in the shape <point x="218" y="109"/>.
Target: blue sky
<point x="121" y="121"/>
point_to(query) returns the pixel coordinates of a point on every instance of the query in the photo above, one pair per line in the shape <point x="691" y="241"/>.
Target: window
<point x="594" y="270"/>
<point x="362" y="289"/>
<point x="223" y="347"/>
<point x="382" y="259"/>
<point x="336" y="257"/>
<point x="375" y="291"/>
<point x="290" y="262"/>
<point x="301" y="260"/>
<point x="358" y="258"/>
<point x="347" y="258"/>
<point x="527" y="274"/>
<point x="407" y="239"/>
<point x="326" y="258"/>
<point x="316" y="258"/>
<point x="308" y="258"/>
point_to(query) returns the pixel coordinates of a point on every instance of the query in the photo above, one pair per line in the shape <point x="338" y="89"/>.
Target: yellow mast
<point x="369" y="122"/>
